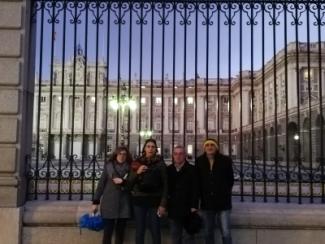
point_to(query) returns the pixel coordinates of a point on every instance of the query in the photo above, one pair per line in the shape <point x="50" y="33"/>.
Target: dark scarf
<point x="121" y="169"/>
<point x="156" y="159"/>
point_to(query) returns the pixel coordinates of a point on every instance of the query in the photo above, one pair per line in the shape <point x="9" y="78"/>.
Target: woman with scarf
<point x="148" y="178"/>
<point x="113" y="196"/>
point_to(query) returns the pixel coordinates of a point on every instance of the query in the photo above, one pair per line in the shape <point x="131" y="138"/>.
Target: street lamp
<point x="296" y="137"/>
<point x="121" y="103"/>
<point x="145" y="133"/>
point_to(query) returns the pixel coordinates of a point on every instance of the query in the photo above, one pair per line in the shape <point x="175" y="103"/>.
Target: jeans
<point x="178" y="234"/>
<point x="223" y="219"/>
<point x="109" y="225"/>
<point x="147" y="215"/>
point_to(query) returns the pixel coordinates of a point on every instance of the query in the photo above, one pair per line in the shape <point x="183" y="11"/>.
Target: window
<point x="190" y="100"/>
<point x="158" y="100"/>
<point x="211" y="124"/>
<point x="43" y="99"/>
<point x="211" y="101"/>
<point x="143" y="100"/>
<point x="157" y="126"/>
<point x="311" y="74"/>
<point x="176" y="100"/>
<point x="189" y="125"/>
<point x="110" y="124"/>
<point x="190" y="149"/>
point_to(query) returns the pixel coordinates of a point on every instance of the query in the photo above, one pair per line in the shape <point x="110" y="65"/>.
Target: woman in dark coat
<point x="148" y="178"/>
<point x="112" y="195"/>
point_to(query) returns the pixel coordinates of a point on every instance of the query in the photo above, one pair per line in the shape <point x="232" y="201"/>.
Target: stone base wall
<point x="10" y="225"/>
<point x="252" y="223"/>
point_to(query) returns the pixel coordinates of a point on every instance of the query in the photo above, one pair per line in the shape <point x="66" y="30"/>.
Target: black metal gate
<point x="247" y="73"/>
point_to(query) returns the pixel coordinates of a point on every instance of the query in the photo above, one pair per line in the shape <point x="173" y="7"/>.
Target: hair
<point x="120" y="149"/>
<point x="179" y="147"/>
<point x="212" y="139"/>
<point x="145" y="144"/>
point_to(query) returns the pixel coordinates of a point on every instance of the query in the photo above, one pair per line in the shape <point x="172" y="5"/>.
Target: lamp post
<point x="296" y="138"/>
<point x="122" y="103"/>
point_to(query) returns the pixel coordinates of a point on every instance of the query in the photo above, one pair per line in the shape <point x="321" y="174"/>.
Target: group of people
<point x="148" y="189"/>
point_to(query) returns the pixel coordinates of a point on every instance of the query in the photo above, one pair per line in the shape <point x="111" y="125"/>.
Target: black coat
<point x="215" y="186"/>
<point x="155" y="178"/>
<point x="182" y="190"/>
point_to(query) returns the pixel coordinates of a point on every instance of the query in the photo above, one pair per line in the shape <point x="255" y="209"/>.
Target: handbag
<point x="193" y="223"/>
<point x="91" y="222"/>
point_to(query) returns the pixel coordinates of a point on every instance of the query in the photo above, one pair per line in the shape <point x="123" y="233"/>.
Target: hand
<point x="94" y="208"/>
<point x="117" y="181"/>
<point x="142" y="169"/>
<point x="193" y="210"/>
<point x="161" y="212"/>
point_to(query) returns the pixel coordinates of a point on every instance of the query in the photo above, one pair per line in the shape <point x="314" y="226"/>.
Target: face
<point x="210" y="149"/>
<point x="150" y="149"/>
<point x="178" y="155"/>
<point x="121" y="156"/>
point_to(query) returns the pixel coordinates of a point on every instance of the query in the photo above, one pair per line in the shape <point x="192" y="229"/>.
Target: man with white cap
<point x="215" y="180"/>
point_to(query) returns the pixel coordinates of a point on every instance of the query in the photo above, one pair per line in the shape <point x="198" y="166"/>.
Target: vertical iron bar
<point x="71" y="157"/>
<point x="197" y="5"/>
<point x="130" y="69"/>
<point x="263" y="102"/>
<point x="286" y="99"/>
<point x="298" y="104"/>
<point x="94" y="160"/>
<point x="39" y="102"/>
<point x="218" y="73"/>
<point x="163" y="77"/>
<point x="83" y="157"/>
<point x="207" y="71"/>
<point x="311" y="199"/>
<point x="119" y="123"/>
<point x="62" y="101"/>
<point x="229" y="82"/>
<point x="276" y="160"/>
<point x="319" y="33"/>
<point x="184" y="77"/>
<point x="50" y="138"/>
<point x="253" y="161"/>
<point x="140" y="76"/>
<point x="241" y="100"/>
<point x="174" y="70"/>
<point x="151" y="65"/>
<point x="107" y="78"/>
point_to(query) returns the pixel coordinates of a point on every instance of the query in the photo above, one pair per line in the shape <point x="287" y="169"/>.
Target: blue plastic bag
<point x="91" y="222"/>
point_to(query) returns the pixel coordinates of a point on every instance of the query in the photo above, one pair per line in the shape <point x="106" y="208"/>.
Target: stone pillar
<point x="16" y="102"/>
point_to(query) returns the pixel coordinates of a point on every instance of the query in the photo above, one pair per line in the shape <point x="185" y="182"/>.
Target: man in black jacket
<point x="182" y="196"/>
<point x="215" y="180"/>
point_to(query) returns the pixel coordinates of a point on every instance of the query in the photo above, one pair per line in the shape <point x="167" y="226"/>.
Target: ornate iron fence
<point x="248" y="73"/>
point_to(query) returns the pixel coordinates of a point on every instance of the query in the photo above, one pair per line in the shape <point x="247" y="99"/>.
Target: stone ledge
<point x="244" y="215"/>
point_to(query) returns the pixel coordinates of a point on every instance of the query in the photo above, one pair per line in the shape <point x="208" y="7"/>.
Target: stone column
<point x="16" y="102"/>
